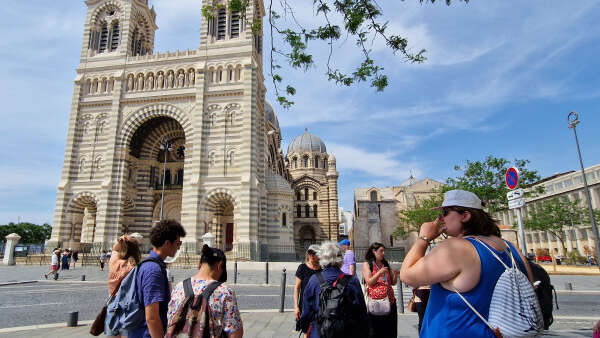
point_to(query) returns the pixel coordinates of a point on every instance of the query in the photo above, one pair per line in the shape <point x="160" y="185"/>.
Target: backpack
<point x="126" y="311"/>
<point x="334" y="308"/>
<point x="193" y="318"/>
<point x="514" y="308"/>
<point x="544" y="292"/>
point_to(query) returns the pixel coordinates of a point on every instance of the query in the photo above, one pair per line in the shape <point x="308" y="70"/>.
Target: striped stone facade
<point x="208" y="103"/>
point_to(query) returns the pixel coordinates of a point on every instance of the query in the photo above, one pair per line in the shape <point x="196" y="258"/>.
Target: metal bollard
<point x="400" y="297"/>
<point x="73" y="317"/>
<point x="282" y="292"/>
<point x="267" y="272"/>
<point x="569" y="286"/>
<point x="83" y="278"/>
<point x="235" y="272"/>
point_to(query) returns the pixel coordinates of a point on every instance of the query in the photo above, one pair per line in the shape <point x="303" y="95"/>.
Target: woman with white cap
<point x="463" y="263"/>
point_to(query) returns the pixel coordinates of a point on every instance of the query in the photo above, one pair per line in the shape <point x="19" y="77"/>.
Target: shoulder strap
<point x="187" y="287"/>
<point x="474" y="310"/>
<point x="322" y="280"/>
<point x="210" y="289"/>
<point x="496" y="256"/>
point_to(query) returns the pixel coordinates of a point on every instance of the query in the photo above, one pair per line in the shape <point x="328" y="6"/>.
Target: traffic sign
<point x="514" y="194"/>
<point x="518" y="203"/>
<point x="512" y="178"/>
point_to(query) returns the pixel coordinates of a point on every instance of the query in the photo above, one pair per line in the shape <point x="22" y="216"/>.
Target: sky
<point x="500" y="79"/>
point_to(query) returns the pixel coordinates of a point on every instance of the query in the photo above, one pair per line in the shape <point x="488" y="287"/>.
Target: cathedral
<point x="186" y="135"/>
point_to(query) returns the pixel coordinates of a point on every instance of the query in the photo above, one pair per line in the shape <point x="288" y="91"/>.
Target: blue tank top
<point x="448" y="316"/>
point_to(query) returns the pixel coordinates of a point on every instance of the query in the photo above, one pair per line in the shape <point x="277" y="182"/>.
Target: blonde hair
<point x="128" y="248"/>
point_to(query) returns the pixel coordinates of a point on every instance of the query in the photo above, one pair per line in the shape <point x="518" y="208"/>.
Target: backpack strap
<point x="322" y="282"/>
<point x="187" y="287"/>
<point x="496" y="256"/>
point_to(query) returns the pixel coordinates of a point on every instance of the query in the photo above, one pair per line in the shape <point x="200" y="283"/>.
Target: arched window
<point x="295" y="161"/>
<point x="314" y="195"/>
<point x="219" y="75"/>
<point x="115" y="36"/>
<point x="235" y="24"/>
<point x="316" y="161"/>
<point x="314" y="211"/>
<point x="298" y="195"/>
<point x="306" y="194"/>
<point x="231" y="158"/>
<point x="180" y="177"/>
<point x="373" y="196"/>
<point x="229" y="74"/>
<point x="221" y="24"/>
<point x="298" y="211"/>
<point x="211" y="159"/>
<point x="307" y="210"/>
<point x="103" y="38"/>
<point x="305" y="161"/>
<point x="238" y="74"/>
<point x="284" y="219"/>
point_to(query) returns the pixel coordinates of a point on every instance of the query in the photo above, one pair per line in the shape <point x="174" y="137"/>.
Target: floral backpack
<point x="192" y="318"/>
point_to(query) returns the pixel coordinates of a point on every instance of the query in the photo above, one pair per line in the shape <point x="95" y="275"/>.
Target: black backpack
<point x="544" y="292"/>
<point x="334" y="308"/>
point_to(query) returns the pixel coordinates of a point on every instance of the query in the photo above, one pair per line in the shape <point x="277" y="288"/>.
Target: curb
<point x="20" y="282"/>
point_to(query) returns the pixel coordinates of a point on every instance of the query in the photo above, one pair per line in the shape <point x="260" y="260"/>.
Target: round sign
<point x="512" y="178"/>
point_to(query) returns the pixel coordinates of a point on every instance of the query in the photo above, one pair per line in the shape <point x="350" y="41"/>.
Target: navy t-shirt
<point x="152" y="287"/>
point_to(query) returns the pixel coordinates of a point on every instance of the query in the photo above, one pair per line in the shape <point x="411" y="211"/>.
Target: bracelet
<point x="425" y="238"/>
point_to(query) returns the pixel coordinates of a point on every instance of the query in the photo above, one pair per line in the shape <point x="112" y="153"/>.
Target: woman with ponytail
<point x="222" y="302"/>
<point x="125" y="256"/>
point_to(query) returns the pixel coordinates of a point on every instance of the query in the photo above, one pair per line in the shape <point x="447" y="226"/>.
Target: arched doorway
<point x="81" y="214"/>
<point x="307" y="237"/>
<point x="219" y="213"/>
<point x="155" y="160"/>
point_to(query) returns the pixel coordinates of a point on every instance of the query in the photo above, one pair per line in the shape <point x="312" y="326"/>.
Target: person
<point x="303" y="274"/>
<point x="380" y="278"/>
<point x="152" y="284"/>
<point x="102" y="259"/>
<point x="421" y="294"/>
<point x="349" y="266"/>
<point x="53" y="264"/>
<point x="459" y="264"/>
<point x="125" y="256"/>
<point x="75" y="258"/>
<point x="357" y="320"/>
<point x="65" y="260"/>
<point x="222" y="303"/>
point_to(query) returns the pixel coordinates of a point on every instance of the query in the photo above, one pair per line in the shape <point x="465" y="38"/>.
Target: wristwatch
<point x="425" y="238"/>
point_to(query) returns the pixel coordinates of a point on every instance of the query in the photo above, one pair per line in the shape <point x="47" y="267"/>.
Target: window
<point x="284" y="219"/>
<point x="298" y="211"/>
<point x="298" y="195"/>
<point x="153" y="175"/>
<point x="307" y="210"/>
<point x="295" y="161"/>
<point x="103" y="38"/>
<point x="317" y="162"/>
<point x="230" y="74"/>
<point x="558" y="185"/>
<point x="314" y="195"/>
<point x="306" y="194"/>
<point x="578" y="180"/>
<point x="373" y="196"/>
<point x="590" y="176"/>
<point x="235" y="24"/>
<point x="179" y="177"/>
<point x="114" y="40"/>
<point x="315" y="211"/>
<point x="550" y="188"/>
<point x="568" y="183"/>
<point x="305" y="162"/>
<point x="221" y="24"/>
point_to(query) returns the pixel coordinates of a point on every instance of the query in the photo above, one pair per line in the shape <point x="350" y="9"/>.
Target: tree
<point x="486" y="180"/>
<point x="30" y="233"/>
<point x="360" y="20"/>
<point x="410" y="220"/>
<point x="553" y="214"/>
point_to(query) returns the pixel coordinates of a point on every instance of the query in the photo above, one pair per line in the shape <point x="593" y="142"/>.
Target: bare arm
<point x="352" y="269"/>
<point x="371" y="278"/>
<point x="153" y="320"/>
<point x="297" y="296"/>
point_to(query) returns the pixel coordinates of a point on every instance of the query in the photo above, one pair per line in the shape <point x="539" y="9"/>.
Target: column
<point x="9" y="249"/>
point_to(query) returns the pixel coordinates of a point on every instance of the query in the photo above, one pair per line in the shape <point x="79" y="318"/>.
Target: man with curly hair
<point x="152" y="283"/>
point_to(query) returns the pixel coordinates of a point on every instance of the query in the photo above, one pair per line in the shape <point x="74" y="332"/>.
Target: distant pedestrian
<point x="380" y="278"/>
<point x="152" y="284"/>
<point x="102" y="260"/>
<point x="333" y="303"/>
<point x="349" y="266"/>
<point x="222" y="303"/>
<point x="65" y="260"/>
<point x="463" y="263"/>
<point x="126" y="255"/>
<point x="53" y="264"/>
<point x="303" y="274"/>
<point x="75" y="258"/>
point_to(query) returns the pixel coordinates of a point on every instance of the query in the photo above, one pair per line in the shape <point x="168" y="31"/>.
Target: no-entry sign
<point x="512" y="178"/>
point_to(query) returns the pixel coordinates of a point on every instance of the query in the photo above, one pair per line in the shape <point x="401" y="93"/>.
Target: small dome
<point x="307" y="143"/>
<point x="331" y="158"/>
<point x="277" y="184"/>
<point x="270" y="115"/>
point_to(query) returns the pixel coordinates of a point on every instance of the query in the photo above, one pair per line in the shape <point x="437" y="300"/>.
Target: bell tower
<point x="118" y="27"/>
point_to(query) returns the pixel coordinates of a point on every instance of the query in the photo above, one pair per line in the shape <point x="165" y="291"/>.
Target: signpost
<point x="516" y="200"/>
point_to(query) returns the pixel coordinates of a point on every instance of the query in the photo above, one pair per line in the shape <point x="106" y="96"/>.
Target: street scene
<point x="259" y="168"/>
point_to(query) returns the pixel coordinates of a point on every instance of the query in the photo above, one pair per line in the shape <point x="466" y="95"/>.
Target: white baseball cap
<point x="461" y="198"/>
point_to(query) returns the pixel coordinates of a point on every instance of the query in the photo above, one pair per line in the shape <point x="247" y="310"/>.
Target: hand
<point x="383" y="270"/>
<point x="432" y="230"/>
<point x="297" y="312"/>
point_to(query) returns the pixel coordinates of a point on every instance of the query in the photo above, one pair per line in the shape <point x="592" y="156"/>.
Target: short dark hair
<point x="480" y="223"/>
<point x="166" y="230"/>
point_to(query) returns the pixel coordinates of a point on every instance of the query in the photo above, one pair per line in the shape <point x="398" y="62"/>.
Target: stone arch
<point x="135" y="120"/>
<point x="221" y="209"/>
<point x="306" y="234"/>
<point x="108" y="5"/>
<point x="80" y="214"/>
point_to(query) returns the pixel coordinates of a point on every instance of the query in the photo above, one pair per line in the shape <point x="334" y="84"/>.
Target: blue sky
<point x="500" y="79"/>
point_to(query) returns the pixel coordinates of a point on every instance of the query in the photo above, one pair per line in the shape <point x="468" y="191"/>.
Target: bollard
<point x="282" y="292"/>
<point x="400" y="296"/>
<point x="569" y="286"/>
<point x="83" y="278"/>
<point x="73" y="317"/>
<point x="235" y="272"/>
<point x="267" y="272"/>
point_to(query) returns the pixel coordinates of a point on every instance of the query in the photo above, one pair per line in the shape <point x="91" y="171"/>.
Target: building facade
<point x="194" y="122"/>
<point x="376" y="211"/>
<point x="568" y="186"/>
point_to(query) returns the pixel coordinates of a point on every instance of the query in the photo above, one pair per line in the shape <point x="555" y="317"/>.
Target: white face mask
<point x="170" y="259"/>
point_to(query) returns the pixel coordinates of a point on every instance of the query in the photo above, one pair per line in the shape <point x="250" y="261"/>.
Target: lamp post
<point x="165" y="146"/>
<point x="573" y="120"/>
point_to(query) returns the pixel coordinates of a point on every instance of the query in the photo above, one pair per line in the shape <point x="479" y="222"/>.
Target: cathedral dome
<point x="307" y="143"/>
<point x="270" y="115"/>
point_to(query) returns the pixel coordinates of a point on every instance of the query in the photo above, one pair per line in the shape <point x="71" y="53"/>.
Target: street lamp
<point x="573" y="120"/>
<point x="165" y="146"/>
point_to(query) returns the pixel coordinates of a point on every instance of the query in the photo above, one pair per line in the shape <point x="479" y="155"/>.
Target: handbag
<point x="378" y="302"/>
<point x="97" y="327"/>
